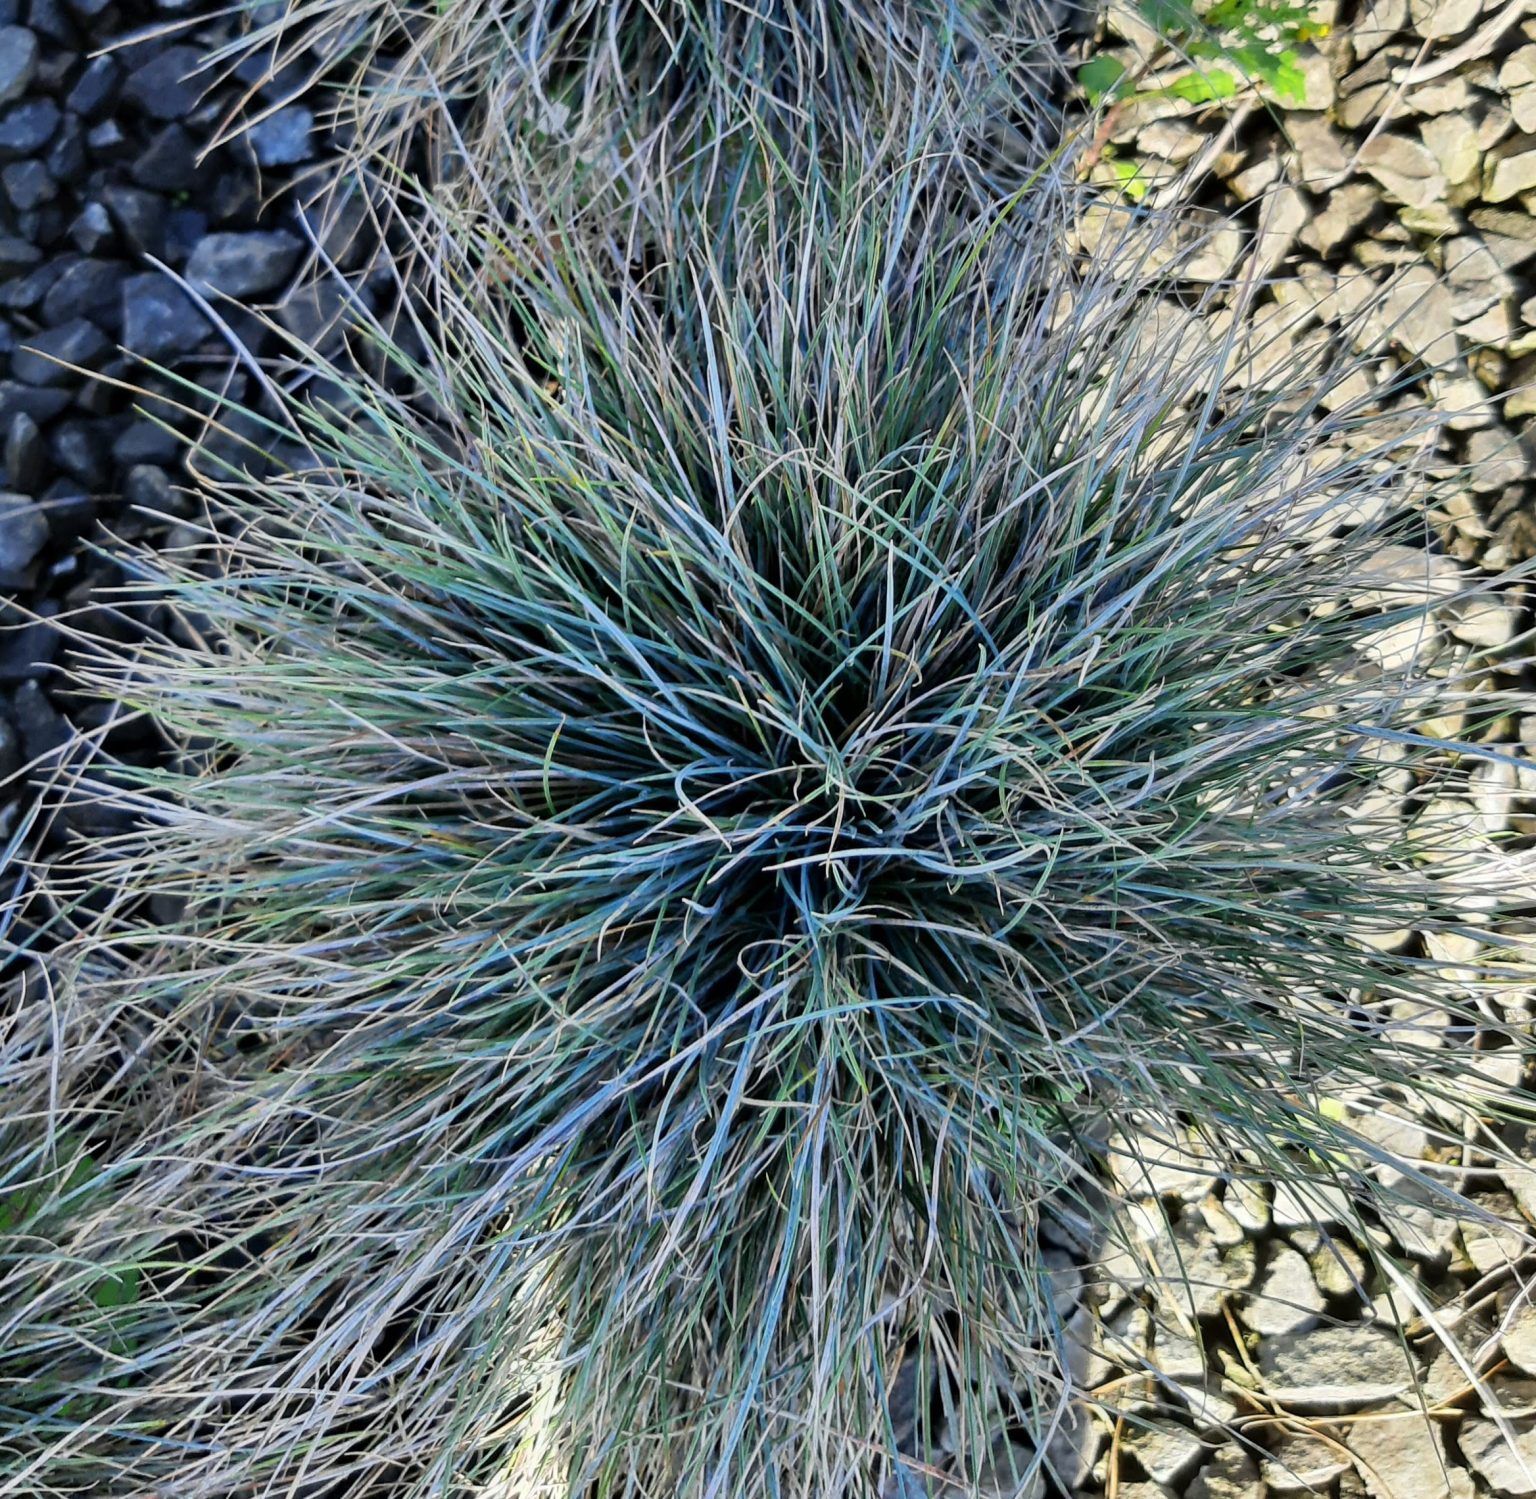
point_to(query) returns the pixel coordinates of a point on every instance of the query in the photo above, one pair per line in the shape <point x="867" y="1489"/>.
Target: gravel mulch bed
<point x="1392" y="209"/>
<point x="110" y="177"/>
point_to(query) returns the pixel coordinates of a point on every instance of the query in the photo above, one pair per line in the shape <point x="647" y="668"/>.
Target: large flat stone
<point x="1334" y="1368"/>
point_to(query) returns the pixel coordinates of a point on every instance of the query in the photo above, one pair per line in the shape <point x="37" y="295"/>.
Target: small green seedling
<point x="28" y="1211"/>
<point x="1248" y="41"/>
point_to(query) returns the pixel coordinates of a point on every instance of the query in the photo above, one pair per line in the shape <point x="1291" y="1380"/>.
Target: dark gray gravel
<point x="243" y="265"/>
<point x="106" y="185"/>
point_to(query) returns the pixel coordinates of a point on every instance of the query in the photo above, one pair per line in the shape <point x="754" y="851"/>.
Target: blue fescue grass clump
<point x="688" y="815"/>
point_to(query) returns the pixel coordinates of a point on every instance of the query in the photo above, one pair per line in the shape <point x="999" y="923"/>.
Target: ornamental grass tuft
<point x="697" y="799"/>
<point x="444" y="90"/>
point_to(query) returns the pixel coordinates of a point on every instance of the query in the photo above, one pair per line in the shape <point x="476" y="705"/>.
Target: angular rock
<point x="1489" y="623"/>
<point x="107" y="141"/>
<point x="25" y="292"/>
<point x="50" y="21"/>
<point x="1318" y="89"/>
<point x="79" y="449"/>
<point x="1341" y="215"/>
<point x="43" y="728"/>
<point x="1397" y="577"/>
<point x="243" y="265"/>
<point x="96" y="89"/>
<point x="1439" y="96"/>
<point x="1299" y="1463"/>
<point x="92" y="229"/>
<point x="1204" y="250"/>
<point x="18" y="61"/>
<point x="1494" y="125"/>
<point x="1493" y="329"/>
<point x="1462" y="400"/>
<point x="1403" y="1455"/>
<point x="17" y="255"/>
<point x="183" y="229"/>
<point x="1508" y="1468"/>
<point x="69" y="512"/>
<point x="1494" y="459"/>
<point x="1286" y="1299"/>
<point x="147" y="488"/>
<point x="314" y="311"/>
<point x="88" y="288"/>
<point x="283" y="139"/>
<point x="1406" y="169"/>
<point x="139" y="216"/>
<point x="66" y="158"/>
<point x="270" y="81"/>
<point x="1322" y="153"/>
<point x="41" y="403"/>
<point x="24" y="455"/>
<point x="1282" y="215"/>
<point x="1452" y="141"/>
<point x="1378" y="23"/>
<point x="1402" y="645"/>
<point x="1168" y="1454"/>
<point x="1230" y="1474"/>
<point x="1435" y="222"/>
<point x="1418" y="313"/>
<point x="144" y="442"/>
<point x="167" y="87"/>
<point x="159" y="318"/>
<point x="1362" y="103"/>
<point x="1517" y="77"/>
<point x="168" y="163"/>
<point x="1475" y="278"/>
<point x="27" y="127"/>
<point x="28" y="185"/>
<point x="1334" y="1368"/>
<point x="1170" y="140"/>
<point x="43" y="358"/>
<point x="1435" y="19"/>
<point x="23" y="533"/>
<point x="1519" y="1339"/>
<point x="1380" y="252"/>
<point x="1506" y="175"/>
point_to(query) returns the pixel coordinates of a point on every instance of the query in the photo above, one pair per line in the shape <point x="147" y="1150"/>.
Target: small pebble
<point x="283" y="138"/>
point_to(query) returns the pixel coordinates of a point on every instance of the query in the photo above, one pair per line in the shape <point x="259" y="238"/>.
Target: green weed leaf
<point x="1100" y="77"/>
<point x="117" y="1288"/>
<point x="1133" y="180"/>
<point x="1202" y="87"/>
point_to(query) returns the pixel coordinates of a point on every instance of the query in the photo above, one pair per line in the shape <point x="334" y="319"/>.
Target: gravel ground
<point x="1271" y="1360"/>
<point x="108" y="180"/>
<point x="1393" y="211"/>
